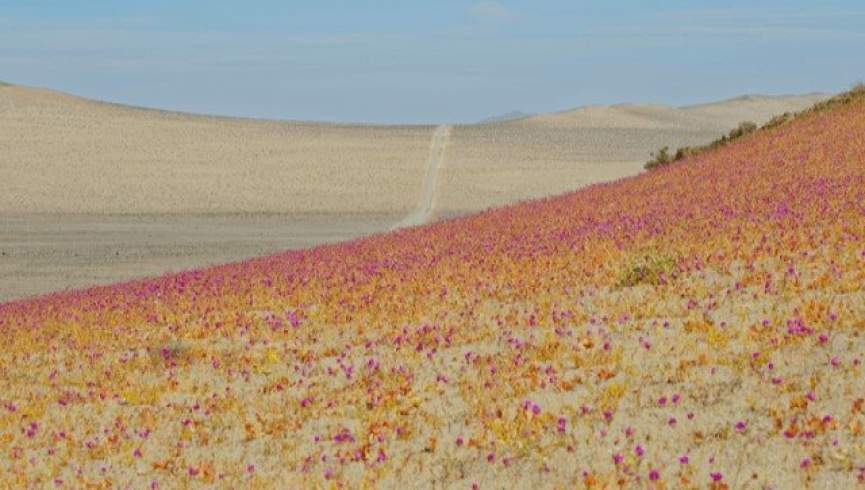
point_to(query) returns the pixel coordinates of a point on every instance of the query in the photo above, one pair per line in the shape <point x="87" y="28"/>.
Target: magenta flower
<point x="684" y="459"/>
<point x="654" y="475"/>
<point x="716" y="476"/>
<point x="618" y="458"/>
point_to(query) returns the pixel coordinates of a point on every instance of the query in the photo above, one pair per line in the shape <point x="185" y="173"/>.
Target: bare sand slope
<point x="64" y="154"/>
<point x="546" y="154"/>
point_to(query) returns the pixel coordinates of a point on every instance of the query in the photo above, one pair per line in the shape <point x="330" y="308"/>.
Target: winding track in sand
<point x="424" y="211"/>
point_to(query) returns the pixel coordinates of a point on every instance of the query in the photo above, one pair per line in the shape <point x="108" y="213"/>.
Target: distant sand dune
<point x="64" y="154"/>
<point x="546" y="154"/>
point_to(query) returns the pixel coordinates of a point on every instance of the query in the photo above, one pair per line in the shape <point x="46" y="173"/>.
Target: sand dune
<point x="83" y="182"/>
<point x="64" y="154"/>
<point x="546" y="154"/>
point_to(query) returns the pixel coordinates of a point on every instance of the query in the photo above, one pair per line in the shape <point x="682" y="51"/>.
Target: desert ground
<point x="93" y="192"/>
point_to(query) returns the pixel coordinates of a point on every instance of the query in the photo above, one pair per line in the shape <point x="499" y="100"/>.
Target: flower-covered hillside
<point x="698" y="326"/>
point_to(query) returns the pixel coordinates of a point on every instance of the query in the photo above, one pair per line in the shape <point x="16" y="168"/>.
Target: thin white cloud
<point x="489" y="10"/>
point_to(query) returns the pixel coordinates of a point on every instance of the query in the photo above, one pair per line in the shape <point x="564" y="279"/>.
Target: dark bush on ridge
<point x="662" y="157"/>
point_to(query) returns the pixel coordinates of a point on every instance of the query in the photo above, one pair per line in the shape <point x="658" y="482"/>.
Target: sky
<point x="436" y="61"/>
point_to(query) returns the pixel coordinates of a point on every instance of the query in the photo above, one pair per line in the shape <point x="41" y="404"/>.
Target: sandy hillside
<point x="92" y="193"/>
<point x="546" y="154"/>
<point x="64" y="154"/>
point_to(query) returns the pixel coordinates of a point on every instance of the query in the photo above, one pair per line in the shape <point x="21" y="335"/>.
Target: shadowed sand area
<point x="93" y="192"/>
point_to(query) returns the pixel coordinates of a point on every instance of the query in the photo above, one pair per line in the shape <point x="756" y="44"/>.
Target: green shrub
<point x="744" y="128"/>
<point x="662" y="157"/>
<point x="778" y="120"/>
<point x="659" y="158"/>
<point x="651" y="269"/>
<point x="5" y="84"/>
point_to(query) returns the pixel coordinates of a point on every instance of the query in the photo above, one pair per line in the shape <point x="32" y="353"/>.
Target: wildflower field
<point x="698" y="326"/>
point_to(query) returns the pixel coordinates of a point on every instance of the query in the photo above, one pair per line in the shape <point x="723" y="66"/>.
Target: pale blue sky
<point x="433" y="61"/>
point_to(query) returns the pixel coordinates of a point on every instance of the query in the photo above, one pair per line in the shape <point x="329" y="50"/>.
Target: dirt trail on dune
<point x="424" y="209"/>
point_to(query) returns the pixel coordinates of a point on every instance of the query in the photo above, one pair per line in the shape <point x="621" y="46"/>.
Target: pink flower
<point x="684" y="459"/>
<point x="741" y="425"/>
<point x="716" y="476"/>
<point x="617" y="458"/>
<point x="639" y="451"/>
<point x="654" y="475"/>
<point x="806" y="462"/>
